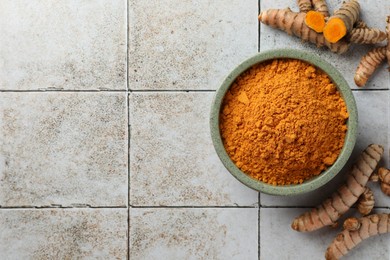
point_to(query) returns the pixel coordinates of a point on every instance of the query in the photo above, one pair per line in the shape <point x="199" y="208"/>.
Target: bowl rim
<point x="352" y="122"/>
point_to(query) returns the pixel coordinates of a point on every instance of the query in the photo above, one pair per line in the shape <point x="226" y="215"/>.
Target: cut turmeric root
<point x="332" y="208"/>
<point x="294" y="24"/>
<point x="334" y="30"/>
<point x="341" y="30"/>
<point x="342" y="21"/>
<point x="360" y="229"/>
<point x="368" y="64"/>
<point x="315" y="20"/>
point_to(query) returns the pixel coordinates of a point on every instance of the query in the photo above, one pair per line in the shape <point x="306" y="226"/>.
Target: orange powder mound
<point x="283" y="122"/>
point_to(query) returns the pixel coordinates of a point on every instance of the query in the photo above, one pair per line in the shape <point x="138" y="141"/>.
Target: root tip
<point x="260" y="15"/>
<point x="295" y="225"/>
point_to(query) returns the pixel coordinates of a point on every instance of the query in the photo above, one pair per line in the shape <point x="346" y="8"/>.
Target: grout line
<point x="259" y="200"/>
<point x="166" y="207"/>
<point x="127" y="46"/>
<point x="193" y="207"/>
<point x="258" y="234"/>
<point x="162" y="207"/>
<point x="128" y="90"/>
<point x="172" y="90"/>
<point x="286" y="207"/>
<point x="128" y="126"/>
<point x="372" y="89"/>
<point x="65" y="90"/>
<point x="128" y="149"/>
<point x="128" y="176"/>
<point x="62" y="207"/>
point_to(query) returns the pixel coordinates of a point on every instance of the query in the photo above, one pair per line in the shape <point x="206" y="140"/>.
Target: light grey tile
<point x="172" y="159"/>
<point x="67" y="148"/>
<point x="63" y="234"/>
<point x="373" y="128"/>
<point x="189" y="44"/>
<point x="279" y="241"/>
<point x="62" y="44"/>
<point x="374" y="13"/>
<point x="193" y="233"/>
<point x="373" y="113"/>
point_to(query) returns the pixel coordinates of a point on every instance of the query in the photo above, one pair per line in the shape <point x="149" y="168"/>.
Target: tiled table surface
<point x="105" y="149"/>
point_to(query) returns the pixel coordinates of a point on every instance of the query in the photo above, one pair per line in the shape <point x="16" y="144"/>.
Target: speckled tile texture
<point x="68" y="44"/>
<point x="170" y="138"/>
<point x="63" y="149"/>
<point x="105" y="146"/>
<point x="181" y="233"/>
<point x="187" y="44"/>
<point x="63" y="234"/>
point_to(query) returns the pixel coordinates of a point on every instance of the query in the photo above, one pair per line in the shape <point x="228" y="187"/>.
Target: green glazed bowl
<point x="314" y="182"/>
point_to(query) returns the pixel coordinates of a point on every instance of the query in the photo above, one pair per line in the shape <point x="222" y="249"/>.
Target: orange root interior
<point x="315" y="20"/>
<point x="334" y="30"/>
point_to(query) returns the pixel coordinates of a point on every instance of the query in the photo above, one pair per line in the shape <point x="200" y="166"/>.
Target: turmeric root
<point x="368" y="64"/>
<point x="332" y="208"/>
<point x="304" y="6"/>
<point x="315" y="20"/>
<point x="342" y="21"/>
<point x="366" y="202"/>
<point x="366" y="227"/>
<point x="321" y="7"/>
<point x="384" y="176"/>
<point x="366" y="36"/>
<point x="294" y="24"/>
<point x="371" y="61"/>
<point x="360" y="24"/>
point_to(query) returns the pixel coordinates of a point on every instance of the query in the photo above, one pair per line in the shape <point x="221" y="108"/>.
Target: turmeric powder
<point x="283" y="122"/>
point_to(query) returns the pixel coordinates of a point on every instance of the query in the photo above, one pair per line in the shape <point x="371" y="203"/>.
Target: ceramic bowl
<point x="315" y="182"/>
